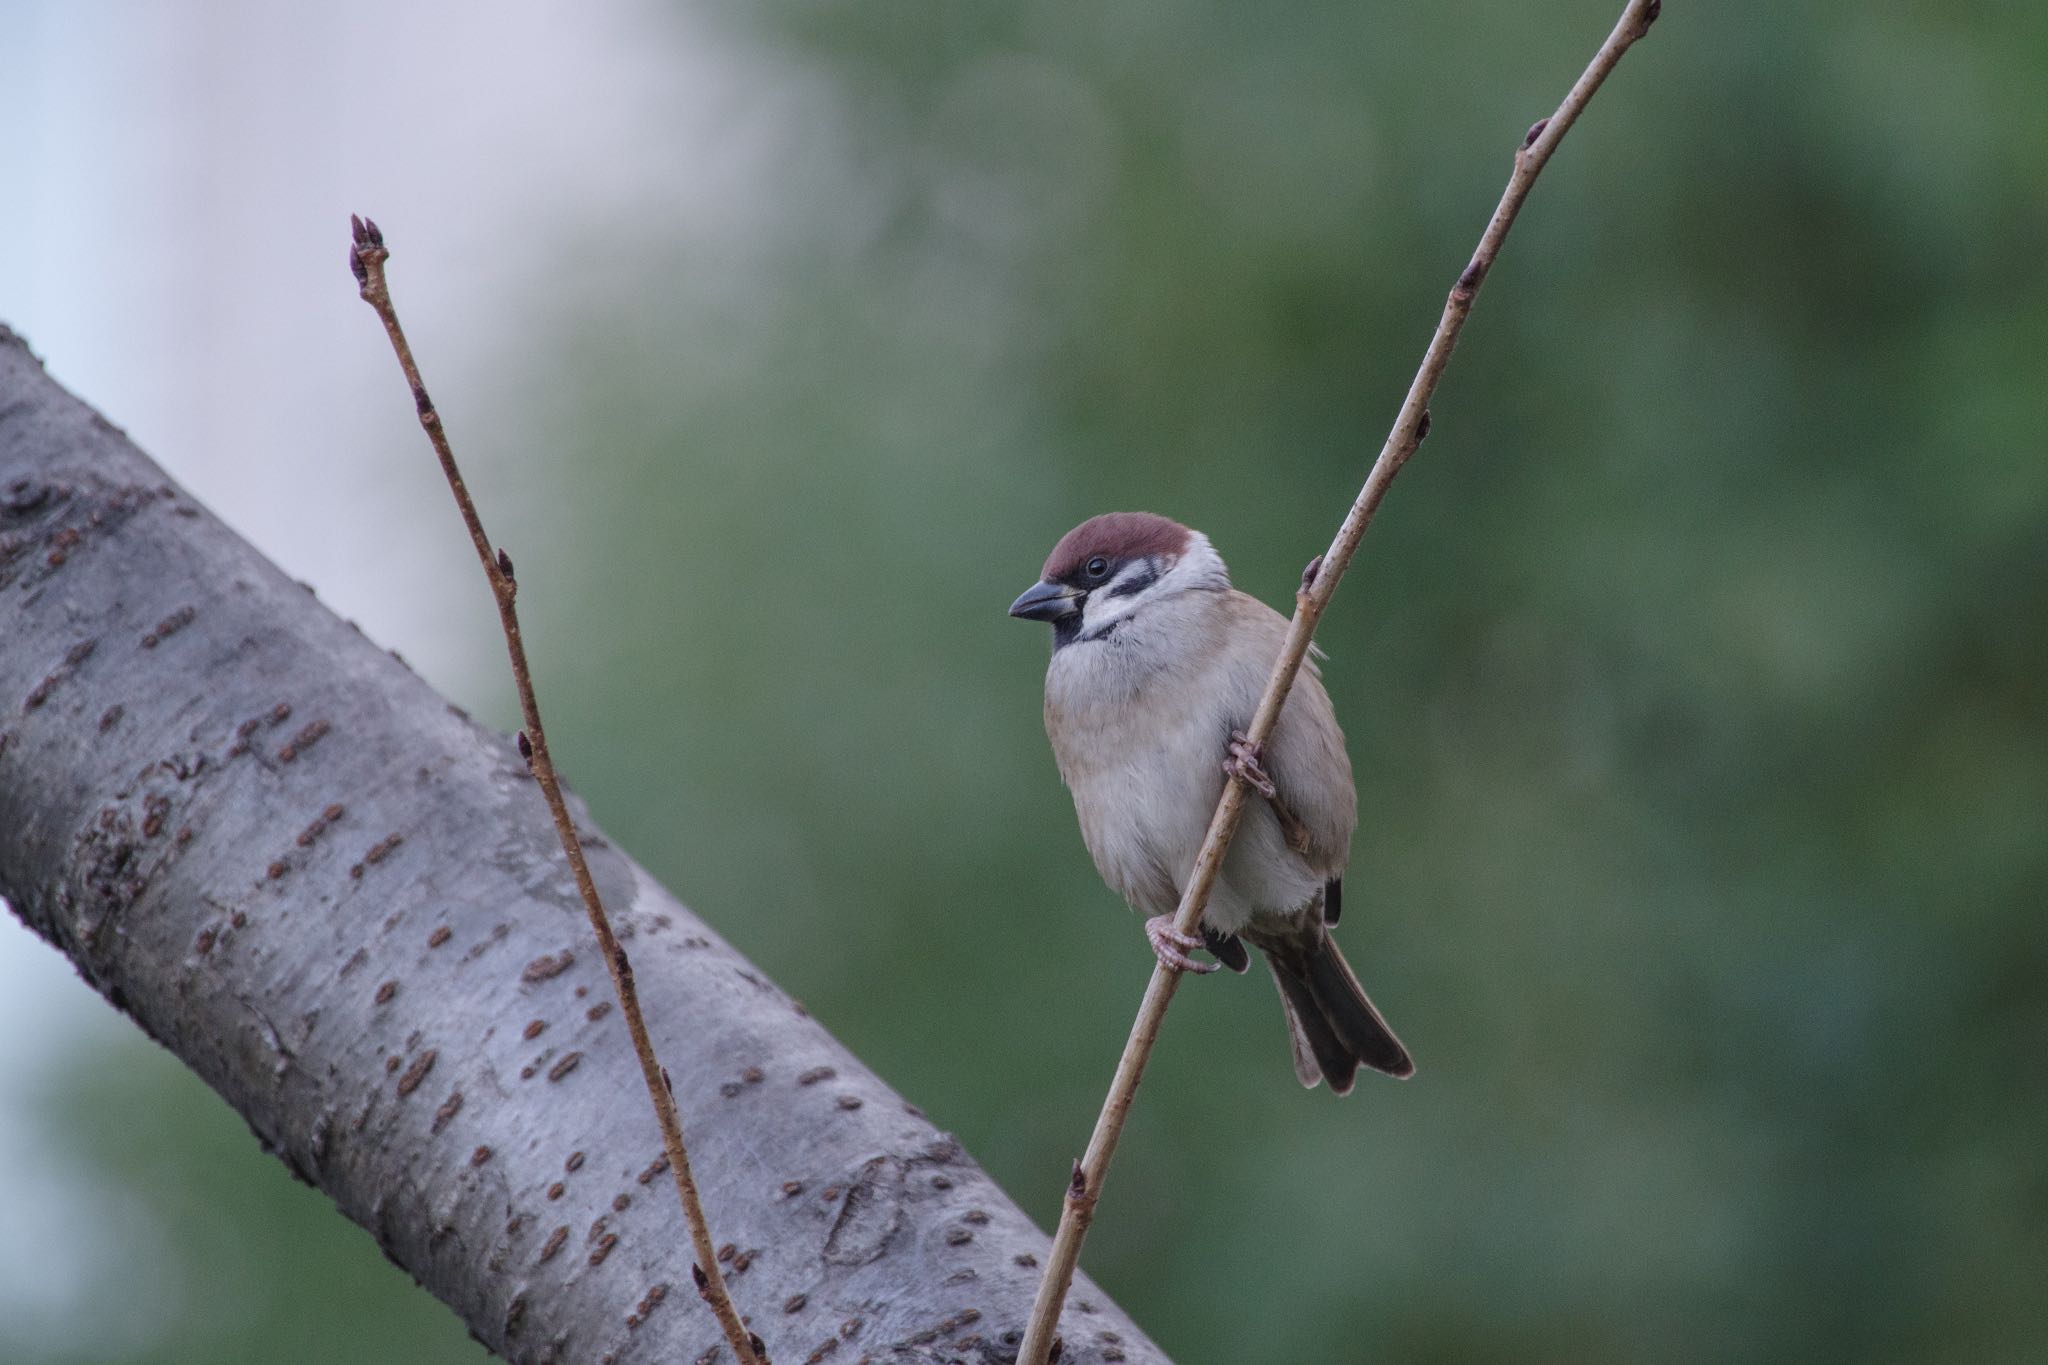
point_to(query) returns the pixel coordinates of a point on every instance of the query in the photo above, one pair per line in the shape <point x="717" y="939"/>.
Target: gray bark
<point x="341" y="903"/>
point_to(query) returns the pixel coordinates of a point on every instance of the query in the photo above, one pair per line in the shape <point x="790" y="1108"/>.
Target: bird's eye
<point x="1097" y="567"/>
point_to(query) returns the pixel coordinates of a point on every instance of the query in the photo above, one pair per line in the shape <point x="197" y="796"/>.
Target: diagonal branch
<point x="1318" y="584"/>
<point x="367" y="254"/>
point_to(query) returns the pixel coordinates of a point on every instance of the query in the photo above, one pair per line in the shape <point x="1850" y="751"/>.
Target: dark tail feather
<point x="1351" y="1014"/>
<point x="1318" y="1053"/>
<point x="1329" y="1016"/>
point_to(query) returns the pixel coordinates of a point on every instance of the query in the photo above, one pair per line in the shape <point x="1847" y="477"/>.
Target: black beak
<point x="1045" y="602"/>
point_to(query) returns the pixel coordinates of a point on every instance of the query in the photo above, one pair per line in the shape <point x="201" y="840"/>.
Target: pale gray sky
<point x="175" y="183"/>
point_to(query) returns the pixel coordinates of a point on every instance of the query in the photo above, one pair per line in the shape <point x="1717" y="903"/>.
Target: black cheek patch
<point x="1136" y="583"/>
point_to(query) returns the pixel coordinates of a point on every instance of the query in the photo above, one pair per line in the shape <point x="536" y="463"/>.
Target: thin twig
<point x="1412" y="424"/>
<point x="367" y="254"/>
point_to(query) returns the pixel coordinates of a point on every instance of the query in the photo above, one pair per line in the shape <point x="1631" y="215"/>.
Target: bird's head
<point x="1111" y="568"/>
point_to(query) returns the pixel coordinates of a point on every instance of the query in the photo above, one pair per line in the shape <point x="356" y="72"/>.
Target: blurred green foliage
<point x="1692" y="672"/>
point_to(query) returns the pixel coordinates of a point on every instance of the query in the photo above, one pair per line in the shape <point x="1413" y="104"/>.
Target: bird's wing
<point x="1305" y="757"/>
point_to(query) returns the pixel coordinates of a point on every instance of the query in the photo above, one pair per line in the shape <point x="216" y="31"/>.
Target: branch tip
<point x="367" y="255"/>
<point x="1040" y="1344"/>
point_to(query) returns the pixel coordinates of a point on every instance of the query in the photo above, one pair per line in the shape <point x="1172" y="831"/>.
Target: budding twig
<point x="1318" y="583"/>
<point x="366" y="257"/>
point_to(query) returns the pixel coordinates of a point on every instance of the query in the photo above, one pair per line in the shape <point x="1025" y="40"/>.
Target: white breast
<point x="1139" y="730"/>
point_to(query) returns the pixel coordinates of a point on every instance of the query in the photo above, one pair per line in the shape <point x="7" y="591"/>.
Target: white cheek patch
<point x="1105" y="606"/>
<point x="1148" y="580"/>
<point x="1099" y="615"/>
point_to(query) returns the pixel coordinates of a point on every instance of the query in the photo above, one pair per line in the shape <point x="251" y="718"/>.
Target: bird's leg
<point x="1171" y="946"/>
<point x="1243" y="764"/>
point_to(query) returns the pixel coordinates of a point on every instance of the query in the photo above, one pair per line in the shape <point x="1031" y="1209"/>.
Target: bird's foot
<point x="1172" y="947"/>
<point x="1243" y="764"/>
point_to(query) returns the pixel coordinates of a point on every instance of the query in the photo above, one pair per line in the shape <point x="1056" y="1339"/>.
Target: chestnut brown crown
<point x="1115" y="537"/>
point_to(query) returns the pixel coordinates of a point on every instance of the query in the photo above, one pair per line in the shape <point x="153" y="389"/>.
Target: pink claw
<point x="1172" y="947"/>
<point x="1244" y="763"/>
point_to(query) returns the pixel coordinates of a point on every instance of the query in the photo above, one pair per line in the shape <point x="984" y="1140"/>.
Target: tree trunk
<point x="340" y="901"/>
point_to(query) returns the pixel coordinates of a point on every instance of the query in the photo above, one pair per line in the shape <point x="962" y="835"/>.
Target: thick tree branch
<point x="1410" y="426"/>
<point x="339" y="901"/>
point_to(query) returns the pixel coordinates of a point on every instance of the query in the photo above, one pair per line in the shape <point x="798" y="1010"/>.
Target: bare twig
<point x="367" y="254"/>
<point x="1318" y="584"/>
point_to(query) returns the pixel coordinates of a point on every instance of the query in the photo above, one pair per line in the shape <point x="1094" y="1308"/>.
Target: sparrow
<point x="1157" y="666"/>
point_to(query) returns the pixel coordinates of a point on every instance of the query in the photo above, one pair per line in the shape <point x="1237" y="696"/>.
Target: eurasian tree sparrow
<point x="1157" y="666"/>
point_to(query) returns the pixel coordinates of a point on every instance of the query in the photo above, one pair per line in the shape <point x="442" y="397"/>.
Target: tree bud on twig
<point x="366" y="258"/>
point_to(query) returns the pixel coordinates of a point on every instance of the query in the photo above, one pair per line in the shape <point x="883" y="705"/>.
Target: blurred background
<point x="1693" y="673"/>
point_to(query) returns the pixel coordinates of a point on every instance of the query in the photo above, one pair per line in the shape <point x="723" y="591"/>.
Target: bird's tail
<point x="1333" y="1025"/>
